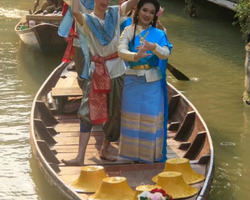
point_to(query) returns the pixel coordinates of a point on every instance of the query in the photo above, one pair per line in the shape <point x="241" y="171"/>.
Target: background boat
<point x="54" y="135"/>
<point x="229" y="4"/>
<point x="40" y="33"/>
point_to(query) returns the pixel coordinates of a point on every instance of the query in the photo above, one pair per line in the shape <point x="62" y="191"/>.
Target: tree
<point x="243" y="18"/>
<point x="242" y="10"/>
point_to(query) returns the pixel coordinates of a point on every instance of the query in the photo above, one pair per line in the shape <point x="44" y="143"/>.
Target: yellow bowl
<point x="89" y="180"/>
<point x="113" y="188"/>
<point x="182" y="165"/>
<point x="174" y="185"/>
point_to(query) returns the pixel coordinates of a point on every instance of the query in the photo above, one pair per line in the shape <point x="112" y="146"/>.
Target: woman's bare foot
<point x="73" y="162"/>
<point x="105" y="156"/>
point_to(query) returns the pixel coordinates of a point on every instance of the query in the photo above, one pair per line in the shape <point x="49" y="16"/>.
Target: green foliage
<point x="243" y="16"/>
<point x="190" y="8"/>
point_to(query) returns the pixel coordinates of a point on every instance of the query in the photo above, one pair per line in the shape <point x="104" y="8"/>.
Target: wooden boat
<point x="54" y="135"/>
<point x="229" y="4"/>
<point x="42" y="35"/>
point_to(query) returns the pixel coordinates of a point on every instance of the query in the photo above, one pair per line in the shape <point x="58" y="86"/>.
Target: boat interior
<point x="56" y="135"/>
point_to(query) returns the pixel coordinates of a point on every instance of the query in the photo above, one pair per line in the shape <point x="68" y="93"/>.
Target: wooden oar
<point x="177" y="74"/>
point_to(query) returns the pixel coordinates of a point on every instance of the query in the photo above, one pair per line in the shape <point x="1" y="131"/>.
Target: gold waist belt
<point x="141" y="67"/>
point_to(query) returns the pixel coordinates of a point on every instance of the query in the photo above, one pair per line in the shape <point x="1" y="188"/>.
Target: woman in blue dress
<point x="144" y="101"/>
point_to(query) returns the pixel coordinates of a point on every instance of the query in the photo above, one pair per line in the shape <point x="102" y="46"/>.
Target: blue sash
<point x="68" y="18"/>
<point x="85" y="50"/>
<point x="106" y="33"/>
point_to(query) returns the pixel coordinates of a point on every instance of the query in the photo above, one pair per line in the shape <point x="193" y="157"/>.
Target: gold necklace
<point x="142" y="39"/>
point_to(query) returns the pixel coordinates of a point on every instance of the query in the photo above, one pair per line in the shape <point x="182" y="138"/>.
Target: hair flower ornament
<point x="160" y="12"/>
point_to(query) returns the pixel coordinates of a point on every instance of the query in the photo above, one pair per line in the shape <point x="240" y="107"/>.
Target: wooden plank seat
<point x="39" y="18"/>
<point x="67" y="89"/>
<point x="63" y="96"/>
<point x="67" y="78"/>
<point x="44" y="17"/>
<point x="66" y="92"/>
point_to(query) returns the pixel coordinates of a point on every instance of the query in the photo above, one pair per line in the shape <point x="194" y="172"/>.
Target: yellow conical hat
<point x="89" y="180"/>
<point x="182" y="165"/>
<point x="174" y="185"/>
<point x="113" y="188"/>
<point x="142" y="188"/>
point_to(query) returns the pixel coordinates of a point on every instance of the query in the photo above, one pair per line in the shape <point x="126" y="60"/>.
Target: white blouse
<point x="127" y="36"/>
<point x="151" y="75"/>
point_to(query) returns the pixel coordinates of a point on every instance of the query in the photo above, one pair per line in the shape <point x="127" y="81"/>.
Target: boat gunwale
<point x="211" y="163"/>
<point x="50" y="174"/>
<point x="29" y="29"/>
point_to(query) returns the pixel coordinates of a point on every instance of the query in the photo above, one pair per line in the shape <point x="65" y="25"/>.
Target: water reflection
<point x="33" y="67"/>
<point x="42" y="184"/>
<point x="21" y="73"/>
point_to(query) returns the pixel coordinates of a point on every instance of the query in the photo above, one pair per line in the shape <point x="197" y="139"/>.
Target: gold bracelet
<point x="155" y="46"/>
<point x="135" y="56"/>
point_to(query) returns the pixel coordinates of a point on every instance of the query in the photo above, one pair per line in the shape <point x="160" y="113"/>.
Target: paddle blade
<point x="177" y="74"/>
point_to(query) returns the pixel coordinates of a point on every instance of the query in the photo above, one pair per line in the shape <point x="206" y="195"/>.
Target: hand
<point x="159" y="25"/>
<point x="149" y="46"/>
<point x="142" y="53"/>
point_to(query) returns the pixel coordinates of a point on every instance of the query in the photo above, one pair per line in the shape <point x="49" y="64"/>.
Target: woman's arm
<point x="161" y="52"/>
<point x="123" y="51"/>
<point x="75" y="11"/>
<point x="127" y="6"/>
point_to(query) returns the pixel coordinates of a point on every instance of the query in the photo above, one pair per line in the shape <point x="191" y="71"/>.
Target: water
<point x="208" y="49"/>
<point x="21" y="73"/>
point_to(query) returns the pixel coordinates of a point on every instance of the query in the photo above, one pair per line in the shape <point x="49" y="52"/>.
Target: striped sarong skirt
<point x="142" y="132"/>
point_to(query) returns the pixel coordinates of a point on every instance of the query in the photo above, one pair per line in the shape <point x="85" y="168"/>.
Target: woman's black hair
<point x="138" y="7"/>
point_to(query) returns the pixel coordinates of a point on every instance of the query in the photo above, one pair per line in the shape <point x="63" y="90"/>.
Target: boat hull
<point x="51" y="141"/>
<point x="42" y="37"/>
<point x="225" y="3"/>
